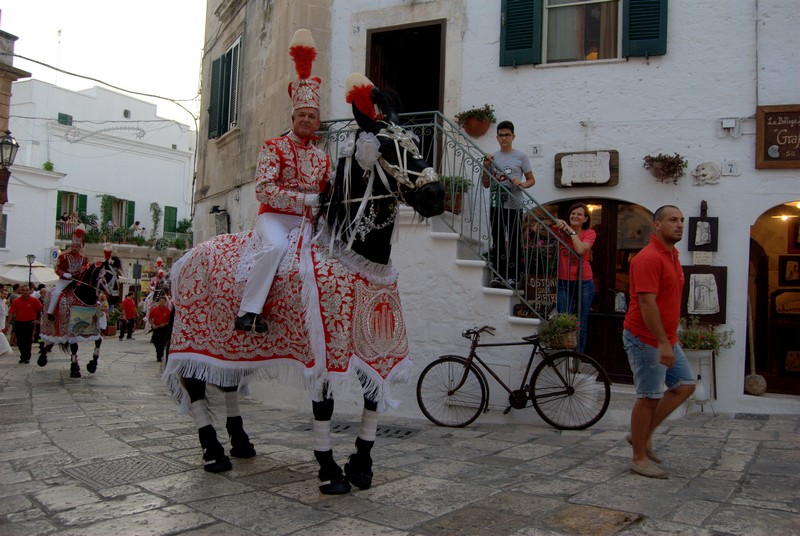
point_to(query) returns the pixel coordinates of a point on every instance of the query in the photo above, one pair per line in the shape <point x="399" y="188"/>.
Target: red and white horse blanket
<point x="75" y="321"/>
<point x="329" y="313"/>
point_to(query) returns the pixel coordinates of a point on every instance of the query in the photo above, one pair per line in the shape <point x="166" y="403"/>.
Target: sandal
<point x="650" y="452"/>
<point x="648" y="469"/>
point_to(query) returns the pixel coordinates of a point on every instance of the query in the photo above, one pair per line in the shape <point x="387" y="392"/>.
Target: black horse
<point x="77" y="314"/>
<point x="333" y="309"/>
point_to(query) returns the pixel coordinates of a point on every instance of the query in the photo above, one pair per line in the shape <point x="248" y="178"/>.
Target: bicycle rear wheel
<point x="570" y="390"/>
<point x="444" y="407"/>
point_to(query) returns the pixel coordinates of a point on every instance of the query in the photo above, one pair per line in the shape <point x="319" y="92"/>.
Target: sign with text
<point x="778" y="136"/>
<point x="586" y="168"/>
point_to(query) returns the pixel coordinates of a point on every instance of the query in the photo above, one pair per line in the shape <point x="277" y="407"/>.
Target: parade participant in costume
<point x="69" y="263"/>
<point x="290" y="173"/>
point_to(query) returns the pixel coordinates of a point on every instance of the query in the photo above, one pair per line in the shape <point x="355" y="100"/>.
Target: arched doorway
<point x="622" y="228"/>
<point x="774" y="295"/>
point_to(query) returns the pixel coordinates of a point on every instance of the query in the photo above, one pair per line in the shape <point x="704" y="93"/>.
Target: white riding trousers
<point x="273" y="230"/>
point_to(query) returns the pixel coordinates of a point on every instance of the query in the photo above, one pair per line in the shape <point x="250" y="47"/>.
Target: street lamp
<point x="8" y="152"/>
<point x="31" y="258"/>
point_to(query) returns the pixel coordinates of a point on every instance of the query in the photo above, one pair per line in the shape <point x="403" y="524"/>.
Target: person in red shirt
<point x="650" y="338"/>
<point x="581" y="239"/>
<point x="159" y="319"/>
<point x="24" y="313"/>
<point x="128" y="317"/>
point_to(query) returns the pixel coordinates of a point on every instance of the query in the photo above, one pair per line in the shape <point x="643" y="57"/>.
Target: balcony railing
<point x="527" y="262"/>
<point x="97" y="234"/>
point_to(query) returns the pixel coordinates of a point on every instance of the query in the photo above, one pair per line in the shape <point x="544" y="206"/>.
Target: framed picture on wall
<point x="789" y="271"/>
<point x="703" y="234"/>
<point x="793" y="226"/>
<point x="705" y="293"/>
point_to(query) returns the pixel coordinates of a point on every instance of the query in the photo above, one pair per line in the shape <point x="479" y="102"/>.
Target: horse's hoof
<point x="219" y="466"/>
<point x="91" y="366"/>
<point x="243" y="451"/>
<point x="74" y="371"/>
<point x="42" y="361"/>
<point x="358" y="476"/>
<point x="336" y="486"/>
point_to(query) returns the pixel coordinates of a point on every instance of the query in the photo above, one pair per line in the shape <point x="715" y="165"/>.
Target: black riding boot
<point x="358" y="468"/>
<point x="213" y="451"/>
<point x="334" y="482"/>
<point x="240" y="441"/>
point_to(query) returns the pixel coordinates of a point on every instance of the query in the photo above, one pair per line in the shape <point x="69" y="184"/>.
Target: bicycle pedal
<point x="507" y="410"/>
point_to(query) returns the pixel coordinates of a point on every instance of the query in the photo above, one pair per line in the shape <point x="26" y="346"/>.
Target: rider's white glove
<point x="311" y="200"/>
<point x="66" y="275"/>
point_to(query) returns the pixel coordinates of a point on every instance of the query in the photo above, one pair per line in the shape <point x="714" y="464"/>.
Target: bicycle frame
<point x="473" y="356"/>
<point x="569" y="390"/>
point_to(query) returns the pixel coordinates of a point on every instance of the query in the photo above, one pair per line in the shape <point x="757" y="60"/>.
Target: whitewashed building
<point x="76" y="146"/>
<point x="625" y="77"/>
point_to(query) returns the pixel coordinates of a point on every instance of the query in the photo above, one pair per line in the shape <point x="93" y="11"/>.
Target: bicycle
<point x="569" y="390"/>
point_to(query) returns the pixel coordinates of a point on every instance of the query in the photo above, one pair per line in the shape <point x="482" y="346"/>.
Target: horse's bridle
<point x="405" y="140"/>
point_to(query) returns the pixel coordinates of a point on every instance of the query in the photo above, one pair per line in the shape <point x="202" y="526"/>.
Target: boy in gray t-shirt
<point x="504" y="212"/>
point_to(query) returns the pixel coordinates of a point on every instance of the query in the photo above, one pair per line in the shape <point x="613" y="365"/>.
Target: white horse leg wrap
<point x="322" y="435"/>
<point x="369" y="425"/>
<point x="199" y="412"/>
<point x="232" y="404"/>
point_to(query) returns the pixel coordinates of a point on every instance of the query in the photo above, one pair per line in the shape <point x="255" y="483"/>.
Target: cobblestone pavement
<point x="107" y="454"/>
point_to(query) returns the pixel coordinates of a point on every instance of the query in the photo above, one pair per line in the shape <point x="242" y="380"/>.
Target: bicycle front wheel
<point x="570" y="390"/>
<point x="440" y="403"/>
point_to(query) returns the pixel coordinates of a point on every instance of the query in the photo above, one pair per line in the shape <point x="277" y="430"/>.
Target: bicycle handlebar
<point x="471" y="332"/>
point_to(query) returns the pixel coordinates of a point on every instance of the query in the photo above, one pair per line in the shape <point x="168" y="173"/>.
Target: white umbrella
<point x="17" y="272"/>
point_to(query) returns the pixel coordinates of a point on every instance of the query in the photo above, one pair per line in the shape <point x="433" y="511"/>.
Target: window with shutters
<point x="170" y="219"/>
<point x="223" y="110"/>
<point x="558" y="31"/>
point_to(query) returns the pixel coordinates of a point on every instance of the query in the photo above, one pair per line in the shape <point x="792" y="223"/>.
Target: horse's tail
<point x="64" y="347"/>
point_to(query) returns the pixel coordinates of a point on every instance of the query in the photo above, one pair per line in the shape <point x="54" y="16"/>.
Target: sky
<point x="146" y="46"/>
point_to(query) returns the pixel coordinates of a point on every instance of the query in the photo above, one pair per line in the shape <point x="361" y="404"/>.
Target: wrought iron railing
<point x="528" y="262"/>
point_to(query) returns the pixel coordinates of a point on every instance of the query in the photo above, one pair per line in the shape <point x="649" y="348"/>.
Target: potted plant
<point x="560" y="331"/>
<point x="694" y="336"/>
<point x="112" y="321"/>
<point x="454" y="188"/>
<point x="666" y="167"/>
<point x="476" y="121"/>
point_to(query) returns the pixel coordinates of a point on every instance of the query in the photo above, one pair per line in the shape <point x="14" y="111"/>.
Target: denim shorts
<point x="649" y="375"/>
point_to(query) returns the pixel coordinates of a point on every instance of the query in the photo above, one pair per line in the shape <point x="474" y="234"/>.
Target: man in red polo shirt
<point x="24" y="313"/>
<point x="128" y="316"/>
<point x="650" y="338"/>
<point x="159" y="319"/>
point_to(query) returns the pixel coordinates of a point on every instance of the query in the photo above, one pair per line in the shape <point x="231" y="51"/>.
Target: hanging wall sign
<point x="778" y="136"/>
<point x="587" y="168"/>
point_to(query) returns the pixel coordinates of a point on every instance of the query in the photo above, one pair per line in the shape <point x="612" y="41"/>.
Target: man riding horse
<point x="333" y="306"/>
<point x="290" y="173"/>
<point x="69" y="264"/>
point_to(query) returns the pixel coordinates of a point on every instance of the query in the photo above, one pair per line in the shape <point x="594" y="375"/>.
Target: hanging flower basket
<point x="665" y="167"/>
<point x="476" y="121"/>
<point x="476" y="127"/>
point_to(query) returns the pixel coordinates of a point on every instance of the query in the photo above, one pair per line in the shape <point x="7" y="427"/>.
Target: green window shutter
<point x="170" y="219"/>
<point x="130" y="208"/>
<point x="644" y="28"/>
<point x="215" y="99"/>
<point x="82" y="198"/>
<point x="520" y="32"/>
<point x="58" y="204"/>
<point x="4" y="224"/>
<point x="233" y="61"/>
